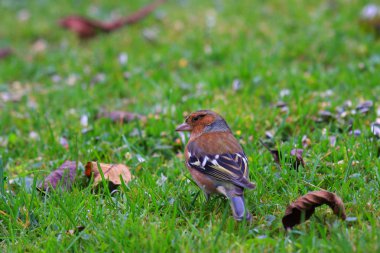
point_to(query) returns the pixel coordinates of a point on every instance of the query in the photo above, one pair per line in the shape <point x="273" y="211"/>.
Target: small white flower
<point x="123" y="59"/>
<point x="33" y="135"/>
<point x="72" y="79"/>
<point x="284" y="92"/>
<point x="84" y="120"/>
<point x="140" y="158"/>
<point x="162" y="180"/>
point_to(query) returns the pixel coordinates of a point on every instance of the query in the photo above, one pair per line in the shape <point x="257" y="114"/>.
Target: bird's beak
<point x="183" y="127"/>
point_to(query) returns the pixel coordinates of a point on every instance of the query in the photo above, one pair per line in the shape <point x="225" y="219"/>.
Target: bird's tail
<point x="238" y="208"/>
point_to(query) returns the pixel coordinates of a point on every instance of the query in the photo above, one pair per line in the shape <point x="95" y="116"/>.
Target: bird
<point x="216" y="161"/>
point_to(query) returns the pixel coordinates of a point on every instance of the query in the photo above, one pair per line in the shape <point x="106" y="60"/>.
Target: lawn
<point x="239" y="58"/>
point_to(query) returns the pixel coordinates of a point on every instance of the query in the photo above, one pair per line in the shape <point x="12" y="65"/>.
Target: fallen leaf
<point x="306" y="142"/>
<point x="121" y="116"/>
<point x="75" y="231"/>
<point x="364" y="107"/>
<point x="299" y="159"/>
<point x="282" y="106"/>
<point x="355" y="132"/>
<point x="343" y="110"/>
<point x="332" y="140"/>
<point x="276" y="154"/>
<point x="86" y="28"/>
<point x="325" y="116"/>
<point x="303" y="208"/>
<point x="64" y="177"/>
<point x="111" y="172"/>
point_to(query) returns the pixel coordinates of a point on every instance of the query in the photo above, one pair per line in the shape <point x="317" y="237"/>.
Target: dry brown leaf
<point x="86" y="28"/>
<point x="306" y="142"/>
<point x="111" y="172"/>
<point x="63" y="176"/>
<point x="276" y="154"/>
<point x="303" y="208"/>
<point x="75" y="231"/>
<point x="297" y="153"/>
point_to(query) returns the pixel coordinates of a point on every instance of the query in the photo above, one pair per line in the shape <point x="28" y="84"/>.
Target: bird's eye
<point x="196" y="118"/>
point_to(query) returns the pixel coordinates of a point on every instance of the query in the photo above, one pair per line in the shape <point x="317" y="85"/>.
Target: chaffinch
<point x="216" y="160"/>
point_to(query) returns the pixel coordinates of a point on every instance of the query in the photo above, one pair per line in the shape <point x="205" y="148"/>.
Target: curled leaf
<point x="86" y="28"/>
<point x="306" y="142"/>
<point x="355" y="132"/>
<point x="121" y="116"/>
<point x="276" y="154"/>
<point x="325" y="116"/>
<point x="297" y="153"/>
<point x="364" y="107"/>
<point x="64" y="177"/>
<point x="282" y="106"/>
<point x="111" y="172"/>
<point x="303" y="208"/>
<point x="75" y="231"/>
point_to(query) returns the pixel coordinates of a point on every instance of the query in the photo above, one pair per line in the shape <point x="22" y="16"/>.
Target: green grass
<point x="304" y="46"/>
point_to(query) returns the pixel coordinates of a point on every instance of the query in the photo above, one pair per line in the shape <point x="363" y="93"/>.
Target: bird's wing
<point x="225" y="166"/>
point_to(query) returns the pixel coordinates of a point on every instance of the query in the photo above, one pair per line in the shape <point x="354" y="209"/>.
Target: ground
<point x="239" y="58"/>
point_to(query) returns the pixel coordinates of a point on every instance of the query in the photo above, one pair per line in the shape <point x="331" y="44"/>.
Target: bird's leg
<point x="195" y="198"/>
<point x="207" y="196"/>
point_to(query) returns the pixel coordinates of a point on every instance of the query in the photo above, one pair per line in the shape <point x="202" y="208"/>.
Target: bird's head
<point x="203" y="121"/>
